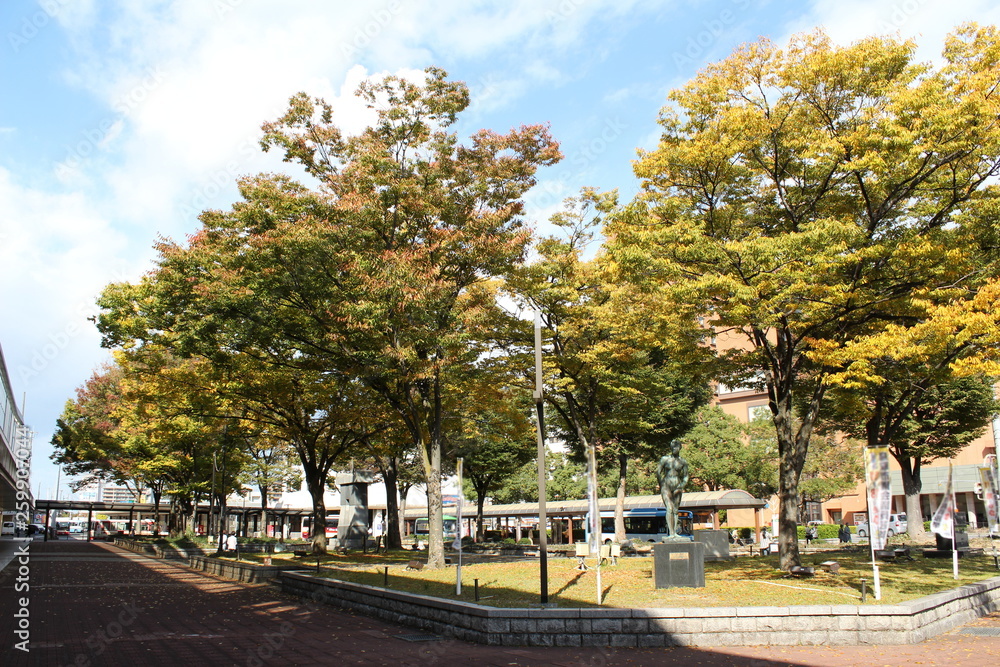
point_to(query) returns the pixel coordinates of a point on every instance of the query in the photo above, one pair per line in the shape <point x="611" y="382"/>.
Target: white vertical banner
<point x="943" y="521"/>
<point x="989" y="496"/>
<point x="879" y="495"/>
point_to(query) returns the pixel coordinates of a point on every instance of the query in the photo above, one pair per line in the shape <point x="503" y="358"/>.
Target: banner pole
<point x="954" y="525"/>
<point x="869" y="470"/>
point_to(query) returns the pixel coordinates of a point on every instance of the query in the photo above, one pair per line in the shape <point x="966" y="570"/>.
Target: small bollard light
<point x="864" y="589"/>
<point x="317" y="564"/>
<point x="385" y="579"/>
<point x="476" y="587"/>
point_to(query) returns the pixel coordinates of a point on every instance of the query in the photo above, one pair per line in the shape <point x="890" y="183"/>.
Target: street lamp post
<point x="540" y="410"/>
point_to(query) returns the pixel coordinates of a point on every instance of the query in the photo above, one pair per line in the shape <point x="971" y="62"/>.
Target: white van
<point x="897" y="525"/>
<point x="8" y="528"/>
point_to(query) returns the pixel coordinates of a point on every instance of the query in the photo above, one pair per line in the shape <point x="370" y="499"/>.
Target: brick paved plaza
<point x="97" y="604"/>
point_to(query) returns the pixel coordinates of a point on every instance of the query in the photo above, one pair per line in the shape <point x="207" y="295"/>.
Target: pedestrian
<point x="844" y="534"/>
<point x="231" y="543"/>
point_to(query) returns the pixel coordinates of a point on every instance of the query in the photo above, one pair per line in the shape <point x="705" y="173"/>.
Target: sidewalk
<point x="96" y="604"/>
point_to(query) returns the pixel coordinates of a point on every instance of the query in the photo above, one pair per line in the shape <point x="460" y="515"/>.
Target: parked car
<point x="8" y="528"/>
<point x="897" y="525"/>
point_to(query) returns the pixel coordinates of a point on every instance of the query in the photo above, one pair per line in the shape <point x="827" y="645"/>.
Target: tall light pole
<point x="540" y="410"/>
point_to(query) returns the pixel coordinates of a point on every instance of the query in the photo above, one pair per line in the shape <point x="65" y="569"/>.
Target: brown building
<point x="744" y="404"/>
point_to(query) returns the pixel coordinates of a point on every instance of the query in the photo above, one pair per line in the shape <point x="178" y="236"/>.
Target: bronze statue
<point x="672" y="474"/>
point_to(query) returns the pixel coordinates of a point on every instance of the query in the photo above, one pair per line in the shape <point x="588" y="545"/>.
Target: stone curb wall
<point x="250" y="573"/>
<point x="905" y="623"/>
<point x="151" y="550"/>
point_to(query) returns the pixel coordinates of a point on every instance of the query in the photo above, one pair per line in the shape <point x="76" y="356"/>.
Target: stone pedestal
<point x="352" y="528"/>
<point x="944" y="543"/>
<point x="716" y="544"/>
<point x="679" y="564"/>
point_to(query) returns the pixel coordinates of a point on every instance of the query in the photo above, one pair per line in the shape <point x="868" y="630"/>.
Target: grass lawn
<point x="747" y="581"/>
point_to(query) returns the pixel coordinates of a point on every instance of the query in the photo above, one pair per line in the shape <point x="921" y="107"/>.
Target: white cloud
<point x="925" y="21"/>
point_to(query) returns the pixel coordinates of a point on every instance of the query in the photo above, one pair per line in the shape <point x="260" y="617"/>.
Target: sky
<point x="121" y="120"/>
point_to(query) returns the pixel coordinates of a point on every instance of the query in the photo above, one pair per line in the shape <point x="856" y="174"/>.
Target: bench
<point x="887" y="555"/>
<point x="300" y="553"/>
<point x="611" y="552"/>
<point x="831" y="566"/>
<point x="415" y="565"/>
<point x="582" y="552"/>
<point x="800" y="571"/>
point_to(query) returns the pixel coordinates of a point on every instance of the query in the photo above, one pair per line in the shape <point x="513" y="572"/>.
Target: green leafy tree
<point x="611" y="381"/>
<point x="564" y="480"/>
<point x="496" y="440"/>
<point x="415" y="226"/>
<point x="802" y="198"/>
<point x="723" y="453"/>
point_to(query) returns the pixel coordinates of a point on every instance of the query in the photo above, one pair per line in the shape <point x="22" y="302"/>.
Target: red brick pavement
<point x="96" y="604"/>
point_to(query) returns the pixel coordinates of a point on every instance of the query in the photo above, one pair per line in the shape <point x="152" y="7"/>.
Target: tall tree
<point x="611" y="380"/>
<point x="416" y="224"/>
<point x="802" y="198"/>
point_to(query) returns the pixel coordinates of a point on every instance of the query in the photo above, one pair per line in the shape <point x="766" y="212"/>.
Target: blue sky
<point x="119" y="121"/>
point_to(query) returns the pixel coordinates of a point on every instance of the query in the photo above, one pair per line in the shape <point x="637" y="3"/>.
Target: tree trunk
<point x="910" y="472"/>
<point x="404" y="490"/>
<point x="435" y="507"/>
<point x="480" y="502"/>
<point x="793" y="446"/>
<point x="263" y="507"/>
<point x="620" y="535"/>
<point x="156" y="509"/>
<point x="316" y="483"/>
<point x="393" y="536"/>
<point x="193" y="521"/>
<point x="430" y="451"/>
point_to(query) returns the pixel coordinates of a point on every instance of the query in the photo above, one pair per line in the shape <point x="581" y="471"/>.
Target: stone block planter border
<point x="250" y="573"/>
<point x="905" y="623"/>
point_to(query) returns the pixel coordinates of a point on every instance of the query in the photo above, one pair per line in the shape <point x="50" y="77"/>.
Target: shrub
<point x="524" y="540"/>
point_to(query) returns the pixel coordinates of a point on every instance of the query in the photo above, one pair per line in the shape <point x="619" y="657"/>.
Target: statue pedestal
<point x="716" y="544"/>
<point x="352" y="529"/>
<point x="679" y="564"/>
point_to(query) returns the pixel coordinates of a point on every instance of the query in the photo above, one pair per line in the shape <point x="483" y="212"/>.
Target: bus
<point x="646" y="525"/>
<point x="331" y="526"/>
<point x="420" y="528"/>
